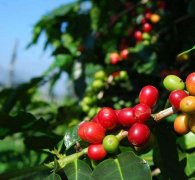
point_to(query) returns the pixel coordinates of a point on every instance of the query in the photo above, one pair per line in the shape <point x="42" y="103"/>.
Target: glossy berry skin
<point x="96" y="152"/>
<point x="147" y="27"/>
<point x="190" y="83"/>
<point x="181" y="124"/>
<point x="124" y="54"/>
<point x="107" y="118"/>
<point x="187" y="105"/>
<point x="114" y="58"/>
<point x="110" y="143"/>
<point x="172" y="82"/>
<point x="95" y="119"/>
<point x="91" y="132"/>
<point x="142" y="112"/>
<point x="138" y="134"/>
<point x="126" y="117"/>
<point x="138" y="35"/>
<point x="175" y="98"/>
<point x="148" y="95"/>
<point x="147" y="146"/>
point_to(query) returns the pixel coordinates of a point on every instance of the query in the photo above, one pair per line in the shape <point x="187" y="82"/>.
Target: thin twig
<point x="163" y="114"/>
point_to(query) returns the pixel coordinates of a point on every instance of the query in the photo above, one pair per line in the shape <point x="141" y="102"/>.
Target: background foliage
<point x="82" y="35"/>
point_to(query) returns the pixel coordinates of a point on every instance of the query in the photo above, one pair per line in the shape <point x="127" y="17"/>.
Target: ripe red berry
<point x="175" y="98"/>
<point x="124" y="54"/>
<point x="126" y="117"/>
<point x="148" y="95"/>
<point x="96" y="152"/>
<point x="148" y="15"/>
<point x="190" y="83"/>
<point x="114" y="58"/>
<point x="91" y="132"/>
<point x="147" y="27"/>
<point x="138" y="35"/>
<point x="95" y="119"/>
<point x="142" y="112"/>
<point x="138" y="134"/>
<point x="107" y="118"/>
<point x="117" y="111"/>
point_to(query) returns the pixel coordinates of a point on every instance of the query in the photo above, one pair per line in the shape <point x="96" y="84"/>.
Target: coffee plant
<point x="129" y="109"/>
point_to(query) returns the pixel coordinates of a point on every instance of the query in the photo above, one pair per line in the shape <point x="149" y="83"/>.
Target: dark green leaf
<point x="187" y="141"/>
<point x="53" y="176"/>
<point x="190" y="167"/>
<point x="78" y="170"/>
<point x="71" y="136"/>
<point x="126" y="166"/>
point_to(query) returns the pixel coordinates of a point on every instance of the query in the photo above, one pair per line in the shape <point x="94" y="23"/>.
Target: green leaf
<point x="148" y="157"/>
<point x="190" y="168"/>
<point x="61" y="11"/>
<point x="187" y="141"/>
<point x="71" y="136"/>
<point x="78" y="170"/>
<point x="53" y="176"/>
<point x="126" y="166"/>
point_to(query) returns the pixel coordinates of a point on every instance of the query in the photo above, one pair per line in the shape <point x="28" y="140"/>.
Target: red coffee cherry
<point x="147" y="27"/>
<point x="114" y="58"/>
<point x="138" y="35"/>
<point x="91" y="132"/>
<point x="124" y="54"/>
<point x="190" y="83"/>
<point x="126" y="117"/>
<point x="138" y="134"/>
<point x="107" y="118"/>
<point x="95" y="119"/>
<point x="96" y="152"/>
<point x="142" y="112"/>
<point x="148" y="95"/>
<point x="175" y="98"/>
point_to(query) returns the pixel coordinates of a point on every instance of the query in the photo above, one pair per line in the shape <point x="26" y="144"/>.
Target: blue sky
<point x="17" y="18"/>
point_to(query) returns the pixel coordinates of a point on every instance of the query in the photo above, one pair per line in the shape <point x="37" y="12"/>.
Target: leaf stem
<point x="62" y="162"/>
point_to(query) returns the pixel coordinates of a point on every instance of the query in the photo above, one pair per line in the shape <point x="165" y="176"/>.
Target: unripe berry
<point x="110" y="143"/>
<point x="187" y="105"/>
<point x="181" y="124"/>
<point x="190" y="83"/>
<point x="114" y="58"/>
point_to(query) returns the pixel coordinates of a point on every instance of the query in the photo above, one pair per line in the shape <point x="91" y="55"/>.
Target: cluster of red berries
<point x="141" y="28"/>
<point x="183" y="101"/>
<point x="116" y="58"/>
<point x="106" y="119"/>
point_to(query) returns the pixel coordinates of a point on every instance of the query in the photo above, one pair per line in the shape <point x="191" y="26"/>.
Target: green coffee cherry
<point x="110" y="143"/>
<point x="173" y="82"/>
<point x="97" y="84"/>
<point x="101" y="75"/>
